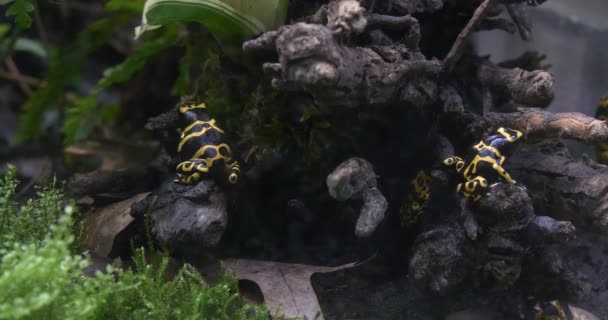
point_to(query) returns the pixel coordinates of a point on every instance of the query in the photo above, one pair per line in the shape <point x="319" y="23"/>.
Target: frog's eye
<point x="449" y="161"/>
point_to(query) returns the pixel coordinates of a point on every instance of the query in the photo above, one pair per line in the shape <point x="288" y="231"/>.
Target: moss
<point x="40" y="277"/>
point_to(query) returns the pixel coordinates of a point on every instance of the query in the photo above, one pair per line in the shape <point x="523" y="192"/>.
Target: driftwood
<point x="564" y="186"/>
<point x="534" y="123"/>
<point x="127" y="182"/>
<point x="508" y="241"/>
<point x="529" y="88"/>
<point x="314" y="59"/>
<point x="459" y="45"/>
<point x="538" y="124"/>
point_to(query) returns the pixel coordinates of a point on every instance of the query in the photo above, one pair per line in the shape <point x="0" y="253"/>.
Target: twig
<point x="251" y="151"/>
<point x="12" y="68"/>
<point x="34" y="82"/>
<point x="458" y="47"/>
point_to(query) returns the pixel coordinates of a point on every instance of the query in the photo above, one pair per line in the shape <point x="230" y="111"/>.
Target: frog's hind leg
<point x="234" y="171"/>
<point x="191" y="171"/>
<point x="473" y="188"/>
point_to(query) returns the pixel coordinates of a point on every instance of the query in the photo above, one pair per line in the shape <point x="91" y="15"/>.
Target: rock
<point x="438" y="264"/>
<point x="474" y="314"/>
<point x="372" y="213"/>
<point x="186" y="219"/>
<point x="355" y="179"/>
<point x="350" y="179"/>
<point x="514" y="248"/>
<point x="187" y="223"/>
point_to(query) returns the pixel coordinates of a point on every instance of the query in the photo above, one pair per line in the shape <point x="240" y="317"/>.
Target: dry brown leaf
<point x="286" y="287"/>
<point x="581" y="314"/>
<point x="101" y="227"/>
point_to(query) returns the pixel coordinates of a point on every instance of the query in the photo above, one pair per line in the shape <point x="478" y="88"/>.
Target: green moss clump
<point x="40" y="278"/>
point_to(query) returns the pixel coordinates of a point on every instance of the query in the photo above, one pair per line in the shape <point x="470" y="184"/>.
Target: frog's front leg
<point x="503" y="173"/>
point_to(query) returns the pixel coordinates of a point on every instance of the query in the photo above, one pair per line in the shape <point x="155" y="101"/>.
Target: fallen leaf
<point x="286" y="287"/>
<point x="101" y="227"/>
<point x="581" y="314"/>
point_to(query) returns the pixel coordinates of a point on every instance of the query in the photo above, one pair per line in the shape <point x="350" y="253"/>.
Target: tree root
<point x="563" y="186"/>
<point x="534" y="123"/>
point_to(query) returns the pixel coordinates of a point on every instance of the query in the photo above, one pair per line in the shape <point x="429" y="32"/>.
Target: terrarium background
<point x="574" y="36"/>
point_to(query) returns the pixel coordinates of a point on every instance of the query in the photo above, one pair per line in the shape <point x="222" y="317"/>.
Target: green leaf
<point x="229" y="20"/>
<point x="181" y="84"/>
<point x="125" y="70"/>
<point x="128" y="5"/>
<point x="109" y="113"/>
<point x="83" y="115"/>
<point x="309" y="113"/>
<point x="31" y="46"/>
<point x="21" y="9"/>
<point x="196" y="60"/>
<point x="4" y="29"/>
<point x="3" y="2"/>
<point x="78" y="123"/>
<point x="65" y="68"/>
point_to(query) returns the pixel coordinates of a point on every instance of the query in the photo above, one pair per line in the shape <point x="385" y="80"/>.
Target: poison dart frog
<point x="202" y="149"/>
<point x="546" y="310"/>
<point x="485" y="166"/>
<point x="601" y="149"/>
<point x="417" y="199"/>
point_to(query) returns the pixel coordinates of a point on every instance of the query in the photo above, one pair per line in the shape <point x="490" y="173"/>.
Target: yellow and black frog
<point x="601" y="149"/>
<point x="546" y="310"/>
<point x="416" y="199"/>
<point x="202" y="148"/>
<point x="485" y="165"/>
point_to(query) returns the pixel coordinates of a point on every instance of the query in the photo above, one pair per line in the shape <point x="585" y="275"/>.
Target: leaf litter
<point x="286" y="287"/>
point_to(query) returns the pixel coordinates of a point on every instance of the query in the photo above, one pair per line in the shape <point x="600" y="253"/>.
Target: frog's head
<point x="185" y="107"/>
<point x="190" y="112"/>
<point x="455" y="162"/>
<point x="511" y="135"/>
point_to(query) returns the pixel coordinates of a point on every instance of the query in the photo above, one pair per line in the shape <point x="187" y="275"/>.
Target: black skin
<point x="202" y="149"/>
<point x="484" y="166"/>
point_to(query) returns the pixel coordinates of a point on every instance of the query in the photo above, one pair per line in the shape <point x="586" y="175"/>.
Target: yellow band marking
<point x="183" y="109"/>
<point x="211" y="124"/>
